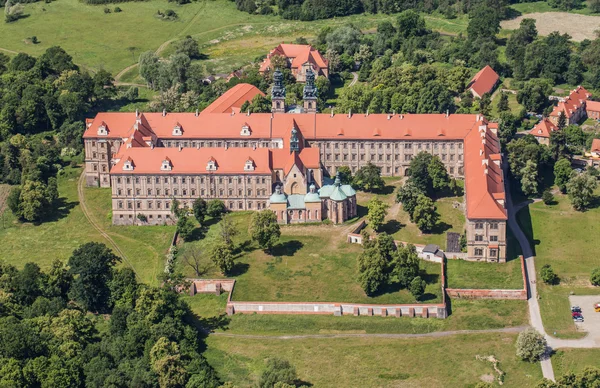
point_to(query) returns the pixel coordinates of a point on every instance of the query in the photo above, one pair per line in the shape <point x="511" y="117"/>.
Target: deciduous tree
<point x="222" y="257"/>
<point x="531" y="345"/>
<point x="562" y="174"/>
<point x="425" y="215"/>
<point x="377" y="213"/>
<point x="581" y="190"/>
<point x="264" y="229"/>
<point x="368" y="178"/>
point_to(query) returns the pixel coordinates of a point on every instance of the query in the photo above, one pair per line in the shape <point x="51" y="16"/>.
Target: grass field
<point x="574" y="360"/>
<point x="114" y="41"/>
<point x="144" y="247"/>
<point x="311" y="263"/>
<point x="566" y="240"/>
<point x="465" y="274"/>
<point x="374" y="362"/>
<point x="515" y="107"/>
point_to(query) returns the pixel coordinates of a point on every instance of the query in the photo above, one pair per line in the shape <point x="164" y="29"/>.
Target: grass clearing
<point x="565" y="239"/>
<point x="374" y="362"/>
<point x="311" y="263"/>
<point x="466" y="274"/>
<point x="577" y="25"/>
<point x="574" y="360"/>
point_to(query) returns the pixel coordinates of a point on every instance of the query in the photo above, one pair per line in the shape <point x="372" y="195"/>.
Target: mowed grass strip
<point x="574" y="360"/>
<point x="566" y="240"/>
<point x="466" y="274"/>
<point x="374" y="362"/>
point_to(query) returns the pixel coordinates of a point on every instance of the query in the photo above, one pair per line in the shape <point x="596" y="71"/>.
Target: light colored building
<point x="573" y="107"/>
<point x="300" y="58"/>
<point x="280" y="161"/>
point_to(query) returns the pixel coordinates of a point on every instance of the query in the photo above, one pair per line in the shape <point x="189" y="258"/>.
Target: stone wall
<point x="211" y="286"/>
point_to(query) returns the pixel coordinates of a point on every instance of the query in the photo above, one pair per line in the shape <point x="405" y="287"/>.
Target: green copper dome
<point x="312" y="195"/>
<point x="338" y="194"/>
<point x="278" y="196"/>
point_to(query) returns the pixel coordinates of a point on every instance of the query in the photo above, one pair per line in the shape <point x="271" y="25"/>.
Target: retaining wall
<point x="210" y="286"/>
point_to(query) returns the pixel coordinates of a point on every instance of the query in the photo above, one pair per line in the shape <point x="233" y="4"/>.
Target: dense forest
<point x="325" y="9"/>
<point x="54" y="331"/>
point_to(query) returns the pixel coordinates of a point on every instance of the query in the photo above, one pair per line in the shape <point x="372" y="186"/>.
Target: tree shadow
<point x="288" y="248"/>
<point x="430" y="278"/>
<point x="440" y="227"/>
<point x="392" y="226"/>
<point x="361" y="211"/>
<point x="198" y="234"/>
<point x="302" y="383"/>
<point x="239" y="269"/>
<point x="245" y="246"/>
<point x="524" y="221"/>
<point x="61" y="209"/>
<point x="426" y="297"/>
<point x="388" y="189"/>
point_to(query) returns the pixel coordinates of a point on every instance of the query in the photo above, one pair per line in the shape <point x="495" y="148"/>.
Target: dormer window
<point x="249" y="166"/>
<point x="103" y="129"/>
<point x="128" y="165"/>
<point x="177" y="130"/>
<point x="245" y="130"/>
<point x="211" y="165"/>
<point x="166" y="165"/>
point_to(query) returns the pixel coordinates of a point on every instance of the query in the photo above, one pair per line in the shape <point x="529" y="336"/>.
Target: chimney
<point x="164" y="112"/>
<point x="151" y="146"/>
<point x="485" y="171"/>
<point x="447" y="113"/>
<point x="226" y="145"/>
<point x="389" y="116"/>
<point x="331" y="112"/>
<point x="180" y="148"/>
<point x="137" y="113"/>
<point x="197" y="112"/>
<point x="232" y="112"/>
<point x="401" y="116"/>
<point x="350" y="114"/>
<point x="367" y="115"/>
<point x="248" y="114"/>
<point x="254" y="146"/>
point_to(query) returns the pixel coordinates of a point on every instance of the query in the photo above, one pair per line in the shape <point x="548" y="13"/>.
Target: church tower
<point x="310" y="92"/>
<point x="278" y="93"/>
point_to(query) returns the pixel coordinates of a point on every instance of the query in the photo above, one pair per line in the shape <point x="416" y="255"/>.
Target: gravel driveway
<point x="591" y="322"/>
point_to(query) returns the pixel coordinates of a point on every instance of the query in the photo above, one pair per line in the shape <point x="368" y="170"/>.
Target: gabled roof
<point x="233" y="99"/>
<point x="298" y="53"/>
<point x="576" y="99"/>
<point x="484" y="81"/>
<point x="543" y="128"/>
<point x="592" y="106"/>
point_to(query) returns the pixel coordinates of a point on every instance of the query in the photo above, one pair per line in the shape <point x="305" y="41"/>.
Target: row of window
<point x="158" y="205"/>
<point x="397" y="170"/>
<point x="493" y="225"/>
<point x="388" y="157"/>
<point x="175" y="179"/>
<point x="209" y="144"/>
<point x="299" y="215"/>
<point x="397" y="145"/>
<point x="192" y="192"/>
<point x="493" y="252"/>
<point x="479" y="237"/>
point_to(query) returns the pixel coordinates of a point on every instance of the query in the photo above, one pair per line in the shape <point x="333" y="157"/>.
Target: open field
<point x="465" y="274"/>
<point x="574" y="360"/>
<point x="311" y="263"/>
<point x="56" y="238"/>
<point x="144" y="247"/>
<point x="374" y="362"/>
<point x="543" y="6"/>
<point x="578" y="26"/>
<point x="565" y="239"/>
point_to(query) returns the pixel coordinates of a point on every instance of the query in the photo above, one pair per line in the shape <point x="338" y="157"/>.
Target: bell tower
<point x="310" y="92"/>
<point x="278" y="93"/>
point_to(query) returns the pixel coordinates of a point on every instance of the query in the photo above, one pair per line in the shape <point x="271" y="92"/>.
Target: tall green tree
<point x="408" y="195"/>
<point x="562" y="174"/>
<point x="264" y="229"/>
<point x="222" y="256"/>
<point x="529" y="178"/>
<point x="440" y="180"/>
<point x="580" y="189"/>
<point x="91" y="266"/>
<point x="425" y="215"/>
<point x="200" y="211"/>
<point x="503" y="103"/>
<point x="368" y="178"/>
<point x="377" y="213"/>
<point x="419" y="172"/>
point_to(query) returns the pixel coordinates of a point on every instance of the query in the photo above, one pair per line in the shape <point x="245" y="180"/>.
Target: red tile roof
<point x="595" y="145"/>
<point x="233" y="99"/>
<point x="576" y="99"/>
<point x="484" y="81"/>
<point x="299" y="53"/>
<point x="194" y="161"/>
<point x="484" y="180"/>
<point x="543" y="128"/>
<point x="592" y="106"/>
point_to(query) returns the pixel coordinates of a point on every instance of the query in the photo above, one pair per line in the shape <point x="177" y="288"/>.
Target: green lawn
<point x="56" y="238"/>
<point x="466" y="274"/>
<point x="515" y="107"/>
<point x="374" y="362"/>
<point x="574" y="360"/>
<point x="565" y="239"/>
<point x="311" y="263"/>
<point x="144" y="246"/>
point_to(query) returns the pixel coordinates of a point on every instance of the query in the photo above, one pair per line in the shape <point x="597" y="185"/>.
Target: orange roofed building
<point x="281" y="161"/>
<point x="574" y="107"/>
<point x="542" y="131"/>
<point x="483" y="82"/>
<point x="300" y="58"/>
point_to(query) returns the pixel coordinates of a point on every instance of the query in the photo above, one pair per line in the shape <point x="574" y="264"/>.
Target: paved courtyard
<point x="591" y="322"/>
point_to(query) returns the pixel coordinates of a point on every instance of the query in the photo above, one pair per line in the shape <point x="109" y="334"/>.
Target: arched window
<point x="294" y="188"/>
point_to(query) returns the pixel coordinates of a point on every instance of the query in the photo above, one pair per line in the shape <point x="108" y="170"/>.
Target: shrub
<point x="595" y="277"/>
<point x="277" y="371"/>
<point x="117" y="10"/>
<point x="107" y="10"/>
<point x="531" y="345"/>
<point x="142" y="217"/>
<point x="547" y="197"/>
<point x="215" y="208"/>
<point x="548" y="275"/>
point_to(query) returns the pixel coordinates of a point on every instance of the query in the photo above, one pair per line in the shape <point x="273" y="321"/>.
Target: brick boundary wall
<point x="470" y="293"/>
<point x="211" y="286"/>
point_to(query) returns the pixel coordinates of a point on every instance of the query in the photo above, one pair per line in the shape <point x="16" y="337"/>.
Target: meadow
<point x="375" y="362"/>
<point x="565" y="239"/>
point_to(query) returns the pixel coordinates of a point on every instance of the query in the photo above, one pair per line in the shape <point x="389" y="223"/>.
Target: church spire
<point x="310" y="92"/>
<point x="278" y="93"/>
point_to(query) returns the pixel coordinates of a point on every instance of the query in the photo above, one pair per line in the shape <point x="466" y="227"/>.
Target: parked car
<point x="577" y="317"/>
<point x="575" y="309"/>
<point x="597" y="307"/>
<point x="576" y="313"/>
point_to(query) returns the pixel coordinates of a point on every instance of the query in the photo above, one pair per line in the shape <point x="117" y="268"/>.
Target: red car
<point x="576" y="314"/>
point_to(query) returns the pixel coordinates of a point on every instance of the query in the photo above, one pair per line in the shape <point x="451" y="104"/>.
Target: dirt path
<point x="580" y="27"/>
<point x="435" y="334"/>
<point x="354" y="79"/>
<point x="96" y="226"/>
